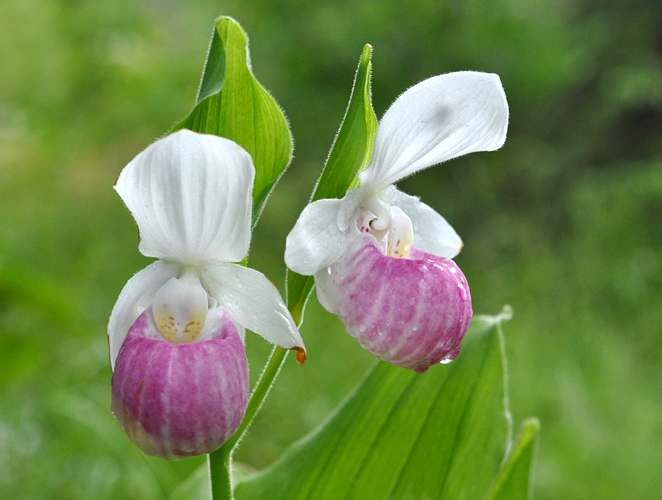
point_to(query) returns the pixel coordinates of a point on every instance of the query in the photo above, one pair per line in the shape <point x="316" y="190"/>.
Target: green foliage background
<point x="563" y="223"/>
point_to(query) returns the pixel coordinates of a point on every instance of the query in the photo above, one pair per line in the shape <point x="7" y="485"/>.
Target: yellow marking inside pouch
<point x="180" y="308"/>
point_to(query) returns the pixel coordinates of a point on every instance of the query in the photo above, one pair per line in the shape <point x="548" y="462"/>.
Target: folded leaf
<point x="349" y="154"/>
<point x="232" y="104"/>
<point x="514" y="482"/>
<point x="442" y="434"/>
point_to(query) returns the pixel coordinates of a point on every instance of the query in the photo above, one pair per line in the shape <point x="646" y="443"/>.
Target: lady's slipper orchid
<point x="380" y="257"/>
<point x="180" y="382"/>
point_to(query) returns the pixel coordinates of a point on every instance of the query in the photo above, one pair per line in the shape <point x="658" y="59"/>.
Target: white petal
<point x="191" y="196"/>
<point x="432" y="233"/>
<point x="135" y="297"/>
<point x="324" y="288"/>
<point x="318" y="237"/>
<point x="440" y="118"/>
<point x="253" y="302"/>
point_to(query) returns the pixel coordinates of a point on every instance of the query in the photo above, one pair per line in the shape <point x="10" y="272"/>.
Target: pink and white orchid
<point x="180" y="382"/>
<point x="380" y="257"/>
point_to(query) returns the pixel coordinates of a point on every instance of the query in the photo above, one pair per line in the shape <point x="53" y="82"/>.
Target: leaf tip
<point x="531" y="426"/>
<point x="506" y="313"/>
<point x="366" y="54"/>
<point x="220" y="20"/>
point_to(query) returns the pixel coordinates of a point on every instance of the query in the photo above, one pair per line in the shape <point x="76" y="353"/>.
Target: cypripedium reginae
<point x="180" y="381"/>
<point x="382" y="258"/>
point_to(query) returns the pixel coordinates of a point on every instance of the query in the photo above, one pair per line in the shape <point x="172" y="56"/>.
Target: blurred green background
<point x="563" y="223"/>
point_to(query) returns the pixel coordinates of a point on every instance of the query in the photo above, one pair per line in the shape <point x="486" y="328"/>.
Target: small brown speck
<point x="140" y="388"/>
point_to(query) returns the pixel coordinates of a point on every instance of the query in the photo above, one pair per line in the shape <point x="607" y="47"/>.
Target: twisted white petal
<point x="252" y="301"/>
<point x="136" y="296"/>
<point x="191" y="197"/>
<point x="432" y="233"/>
<point x="440" y="118"/>
<point x="318" y="238"/>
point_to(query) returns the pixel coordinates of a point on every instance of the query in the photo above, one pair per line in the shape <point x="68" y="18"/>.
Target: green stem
<point x="220" y="475"/>
<point x="220" y="461"/>
<point x="259" y="393"/>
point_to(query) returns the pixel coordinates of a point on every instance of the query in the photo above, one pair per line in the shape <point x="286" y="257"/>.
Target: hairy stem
<point x="220" y="474"/>
<point x="220" y="461"/>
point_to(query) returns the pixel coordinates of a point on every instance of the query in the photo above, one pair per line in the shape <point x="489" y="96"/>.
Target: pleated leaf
<point x="349" y="155"/>
<point x="401" y="435"/>
<point x="514" y="482"/>
<point x="232" y="104"/>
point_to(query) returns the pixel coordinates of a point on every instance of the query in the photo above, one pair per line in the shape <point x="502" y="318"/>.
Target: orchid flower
<point x="180" y="381"/>
<point x="382" y="258"/>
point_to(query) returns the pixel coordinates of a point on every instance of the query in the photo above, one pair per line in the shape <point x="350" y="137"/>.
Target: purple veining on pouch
<point x="411" y="312"/>
<point x="180" y="400"/>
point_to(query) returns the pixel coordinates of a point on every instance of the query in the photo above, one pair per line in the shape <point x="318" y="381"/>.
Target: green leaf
<point x="196" y="486"/>
<point x="231" y="103"/>
<point x="442" y="434"/>
<point x="514" y="482"/>
<point x="352" y="147"/>
<point x="350" y="153"/>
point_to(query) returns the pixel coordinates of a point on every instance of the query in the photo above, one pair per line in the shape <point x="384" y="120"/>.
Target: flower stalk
<point x="220" y="461"/>
<point x="220" y="465"/>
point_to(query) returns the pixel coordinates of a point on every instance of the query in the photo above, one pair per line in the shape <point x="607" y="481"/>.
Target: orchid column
<point x="382" y="258"/>
<point x="180" y="382"/>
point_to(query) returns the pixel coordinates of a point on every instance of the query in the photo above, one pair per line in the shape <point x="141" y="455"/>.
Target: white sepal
<point x="191" y="197"/>
<point x="440" y="118"/>
<point x="432" y="233"/>
<point x="253" y="302"/>
<point x="318" y="238"/>
<point x="136" y="296"/>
